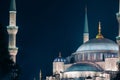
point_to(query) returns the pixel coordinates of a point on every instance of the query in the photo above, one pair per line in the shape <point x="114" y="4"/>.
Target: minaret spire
<point x="86" y="32"/>
<point x="59" y="54"/>
<point x="13" y="5"/>
<point x="86" y="21"/>
<point x="119" y="6"/>
<point x="12" y="31"/>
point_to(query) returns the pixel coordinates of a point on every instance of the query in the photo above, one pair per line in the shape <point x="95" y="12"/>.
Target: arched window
<point x="101" y="56"/>
<point x="76" y="58"/>
<point x="83" y="57"/>
<point x="88" y="56"/>
<point x="94" y="56"/>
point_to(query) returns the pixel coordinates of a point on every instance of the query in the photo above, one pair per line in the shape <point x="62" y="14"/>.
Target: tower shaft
<point x="40" y="75"/>
<point x="12" y="30"/>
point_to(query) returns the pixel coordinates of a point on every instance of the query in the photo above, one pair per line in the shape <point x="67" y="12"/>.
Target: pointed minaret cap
<point x="99" y="35"/>
<point x="13" y="5"/>
<point x="86" y="21"/>
<point x="59" y="54"/>
<point x="119" y="6"/>
<point x="85" y="8"/>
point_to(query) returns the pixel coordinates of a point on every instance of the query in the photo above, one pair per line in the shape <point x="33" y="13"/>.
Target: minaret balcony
<point x="12" y="11"/>
<point x="12" y="29"/>
<point x="13" y="51"/>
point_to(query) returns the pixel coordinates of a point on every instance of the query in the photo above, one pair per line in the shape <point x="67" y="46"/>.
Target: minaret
<point x="34" y="78"/>
<point x="58" y="65"/>
<point x="40" y="75"/>
<point x="59" y="54"/>
<point x="118" y="37"/>
<point x="86" y="32"/>
<point x="12" y="30"/>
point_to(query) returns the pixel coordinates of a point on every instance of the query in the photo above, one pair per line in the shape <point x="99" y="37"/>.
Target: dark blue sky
<point x="49" y="26"/>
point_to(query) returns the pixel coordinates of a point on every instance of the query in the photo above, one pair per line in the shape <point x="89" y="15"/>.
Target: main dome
<point x="98" y="45"/>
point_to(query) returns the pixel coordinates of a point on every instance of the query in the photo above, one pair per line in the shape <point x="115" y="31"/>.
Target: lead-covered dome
<point x="83" y="67"/>
<point x="98" y="44"/>
<point x="60" y="58"/>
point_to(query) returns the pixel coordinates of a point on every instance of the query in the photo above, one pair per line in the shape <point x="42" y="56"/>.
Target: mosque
<point x="95" y="59"/>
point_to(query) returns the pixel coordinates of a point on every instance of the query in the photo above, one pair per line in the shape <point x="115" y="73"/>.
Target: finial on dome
<point x="59" y="54"/>
<point x="99" y="28"/>
<point x="99" y="35"/>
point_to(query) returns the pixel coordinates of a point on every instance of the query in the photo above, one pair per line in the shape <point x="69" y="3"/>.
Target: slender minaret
<point x="86" y="32"/>
<point x="59" y="54"/>
<point x="34" y="78"/>
<point x="118" y="37"/>
<point x="40" y="75"/>
<point x="12" y="30"/>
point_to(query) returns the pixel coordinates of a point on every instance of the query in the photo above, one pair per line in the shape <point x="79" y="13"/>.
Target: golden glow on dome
<point x="99" y="35"/>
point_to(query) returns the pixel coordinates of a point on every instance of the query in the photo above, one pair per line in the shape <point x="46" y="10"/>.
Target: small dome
<point x="99" y="44"/>
<point x="83" y="67"/>
<point x="59" y="59"/>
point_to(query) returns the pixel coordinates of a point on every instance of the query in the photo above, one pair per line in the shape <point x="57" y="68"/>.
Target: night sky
<point x="47" y="27"/>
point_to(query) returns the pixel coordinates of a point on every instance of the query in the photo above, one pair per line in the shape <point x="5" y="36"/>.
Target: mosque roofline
<point x="82" y="71"/>
<point x="99" y="51"/>
<point x="87" y="67"/>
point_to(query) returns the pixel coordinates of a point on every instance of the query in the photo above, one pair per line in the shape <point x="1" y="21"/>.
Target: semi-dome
<point x="98" y="44"/>
<point x="83" y="67"/>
